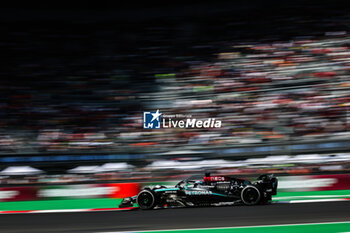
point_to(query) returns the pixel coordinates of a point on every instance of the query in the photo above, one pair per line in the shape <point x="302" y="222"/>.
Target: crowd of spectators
<point x="73" y="91"/>
<point x="275" y="91"/>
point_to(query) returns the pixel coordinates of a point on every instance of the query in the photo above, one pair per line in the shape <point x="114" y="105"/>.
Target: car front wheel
<point x="146" y="200"/>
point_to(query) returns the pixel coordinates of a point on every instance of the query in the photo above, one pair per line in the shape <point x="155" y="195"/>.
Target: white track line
<point x="317" y="200"/>
<point x="59" y="211"/>
<point x="214" y="228"/>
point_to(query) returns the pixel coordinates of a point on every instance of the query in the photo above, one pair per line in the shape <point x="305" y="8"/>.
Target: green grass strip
<point x="305" y="228"/>
<point x="288" y="196"/>
<point x="61" y="204"/>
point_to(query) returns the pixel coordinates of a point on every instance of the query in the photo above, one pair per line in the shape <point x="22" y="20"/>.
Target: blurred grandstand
<point x="77" y="93"/>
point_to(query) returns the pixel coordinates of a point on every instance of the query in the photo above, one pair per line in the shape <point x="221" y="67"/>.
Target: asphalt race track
<point x="175" y="218"/>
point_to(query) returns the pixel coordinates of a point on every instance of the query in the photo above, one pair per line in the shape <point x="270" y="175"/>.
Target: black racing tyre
<point x="146" y="199"/>
<point x="250" y="195"/>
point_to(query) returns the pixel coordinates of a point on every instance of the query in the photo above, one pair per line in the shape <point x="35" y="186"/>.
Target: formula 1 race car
<point x="206" y="191"/>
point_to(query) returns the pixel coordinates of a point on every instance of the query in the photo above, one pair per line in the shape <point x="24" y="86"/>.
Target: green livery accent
<point x="218" y="194"/>
<point x="166" y="189"/>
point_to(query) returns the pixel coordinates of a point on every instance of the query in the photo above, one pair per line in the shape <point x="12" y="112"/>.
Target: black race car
<point x="205" y="191"/>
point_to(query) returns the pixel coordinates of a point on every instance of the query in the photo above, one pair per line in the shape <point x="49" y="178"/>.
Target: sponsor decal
<point x="157" y="120"/>
<point x="342" y="182"/>
<point x="122" y="190"/>
<point x="170" y="191"/>
<point x="113" y="190"/>
<point x="198" y="192"/>
<point x="306" y="183"/>
<point x="75" y="191"/>
<point x="8" y="194"/>
<point x="18" y="194"/>
<point x="314" y="183"/>
<point x="207" y="186"/>
<point x="214" y="178"/>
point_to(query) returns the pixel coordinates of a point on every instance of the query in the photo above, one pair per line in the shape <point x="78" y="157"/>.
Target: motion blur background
<point x="75" y="82"/>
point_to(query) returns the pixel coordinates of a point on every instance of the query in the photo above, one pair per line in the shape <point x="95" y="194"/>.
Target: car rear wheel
<point x="146" y="200"/>
<point x="250" y="195"/>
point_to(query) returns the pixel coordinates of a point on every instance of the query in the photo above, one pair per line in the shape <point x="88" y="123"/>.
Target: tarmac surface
<point x="181" y="218"/>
